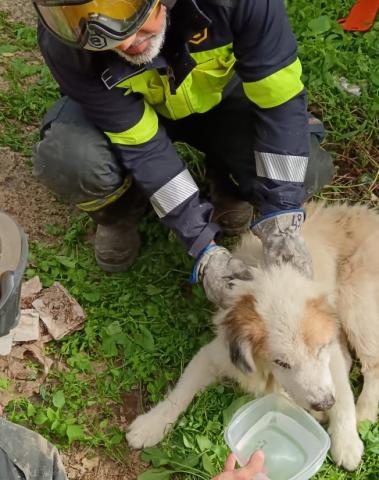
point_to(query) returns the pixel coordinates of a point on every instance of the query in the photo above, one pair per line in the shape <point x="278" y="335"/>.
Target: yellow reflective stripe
<point x="277" y="88"/>
<point x="99" y="203"/>
<point x="142" y="132"/>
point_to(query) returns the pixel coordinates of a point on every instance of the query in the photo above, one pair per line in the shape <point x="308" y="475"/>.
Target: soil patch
<point x="20" y="11"/>
<point x="83" y="466"/>
<point x="29" y="202"/>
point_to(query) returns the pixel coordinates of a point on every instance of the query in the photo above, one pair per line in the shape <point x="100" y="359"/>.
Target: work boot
<point x="233" y="215"/>
<point x="117" y="240"/>
<point x="117" y="246"/>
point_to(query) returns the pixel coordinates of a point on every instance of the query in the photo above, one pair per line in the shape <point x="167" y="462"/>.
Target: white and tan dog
<point x="283" y="332"/>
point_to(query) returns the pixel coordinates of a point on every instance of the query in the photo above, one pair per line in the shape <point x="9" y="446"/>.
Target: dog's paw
<point x="149" y="429"/>
<point x="346" y="449"/>
<point x="366" y="411"/>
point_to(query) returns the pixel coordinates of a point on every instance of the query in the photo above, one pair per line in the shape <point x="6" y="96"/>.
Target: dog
<point x="282" y="332"/>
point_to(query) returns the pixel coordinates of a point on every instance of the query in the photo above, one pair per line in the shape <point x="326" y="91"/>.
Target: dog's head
<point x="287" y="321"/>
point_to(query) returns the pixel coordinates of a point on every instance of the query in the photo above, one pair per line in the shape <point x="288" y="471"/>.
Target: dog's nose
<point x="325" y="404"/>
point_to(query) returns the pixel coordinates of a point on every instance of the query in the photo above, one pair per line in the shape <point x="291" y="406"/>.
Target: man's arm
<point x="267" y="62"/>
<point x="140" y="144"/>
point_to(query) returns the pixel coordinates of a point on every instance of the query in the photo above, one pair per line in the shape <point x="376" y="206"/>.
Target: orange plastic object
<point x="361" y="17"/>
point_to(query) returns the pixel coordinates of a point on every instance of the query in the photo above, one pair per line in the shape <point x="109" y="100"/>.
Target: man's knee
<point x="26" y="454"/>
<point x="73" y="158"/>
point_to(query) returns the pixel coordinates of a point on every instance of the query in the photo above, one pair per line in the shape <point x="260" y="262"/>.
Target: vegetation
<point x="144" y="326"/>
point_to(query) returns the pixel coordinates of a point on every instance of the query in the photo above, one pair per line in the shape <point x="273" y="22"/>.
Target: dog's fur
<point x="282" y="332"/>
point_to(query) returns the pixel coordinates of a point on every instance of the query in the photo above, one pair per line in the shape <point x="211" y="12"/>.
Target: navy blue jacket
<point x="210" y="44"/>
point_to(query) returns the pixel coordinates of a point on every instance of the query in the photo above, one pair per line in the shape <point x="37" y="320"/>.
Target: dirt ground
<point x="19" y="10"/>
<point x="31" y="204"/>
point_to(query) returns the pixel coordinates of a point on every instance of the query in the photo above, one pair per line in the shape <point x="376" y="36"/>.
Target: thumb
<point x="230" y="463"/>
<point x="255" y="464"/>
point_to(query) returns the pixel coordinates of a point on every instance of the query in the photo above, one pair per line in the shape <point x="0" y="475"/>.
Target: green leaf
<point x="154" y="455"/>
<point x="103" y="424"/>
<point x="145" y="339"/>
<point x="31" y="410"/>
<point x="320" y="24"/>
<point x="58" y="399"/>
<point x="92" y="297"/>
<point x="155" y="474"/>
<point x="4" y="383"/>
<point x="40" y="418"/>
<point x="203" y="442"/>
<point x="114" y="328"/>
<point x="364" y="428"/>
<point x="233" y="407"/>
<point x="66" y="261"/>
<point x="51" y="414"/>
<point x="74" y="432"/>
<point x="191" y="461"/>
<point x="116" y="439"/>
<point x="207" y="464"/>
<point x="187" y="441"/>
<point x="55" y="424"/>
<point x="152" y="290"/>
<point x="109" y="347"/>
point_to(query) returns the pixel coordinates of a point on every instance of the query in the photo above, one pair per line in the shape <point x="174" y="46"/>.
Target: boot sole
<point x="116" y="267"/>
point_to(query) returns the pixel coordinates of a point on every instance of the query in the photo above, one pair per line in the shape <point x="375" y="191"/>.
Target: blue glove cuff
<point x="277" y="213"/>
<point x="194" y="277"/>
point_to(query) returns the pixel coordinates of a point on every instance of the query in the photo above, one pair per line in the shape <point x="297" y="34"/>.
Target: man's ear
<point x="245" y="332"/>
<point x="241" y="355"/>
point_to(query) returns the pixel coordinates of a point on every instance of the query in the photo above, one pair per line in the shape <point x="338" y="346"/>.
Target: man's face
<point x="146" y="43"/>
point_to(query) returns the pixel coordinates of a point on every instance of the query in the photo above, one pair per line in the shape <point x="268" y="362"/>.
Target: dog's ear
<point x="241" y="355"/>
<point x="245" y="332"/>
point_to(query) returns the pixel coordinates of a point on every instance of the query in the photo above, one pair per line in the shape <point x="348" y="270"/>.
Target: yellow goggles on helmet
<point x="94" y="24"/>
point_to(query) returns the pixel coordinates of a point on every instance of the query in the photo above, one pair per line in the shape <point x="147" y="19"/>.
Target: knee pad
<point x="73" y="158"/>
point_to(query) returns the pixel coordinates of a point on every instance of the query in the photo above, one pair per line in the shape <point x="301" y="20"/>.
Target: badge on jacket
<point x="199" y="37"/>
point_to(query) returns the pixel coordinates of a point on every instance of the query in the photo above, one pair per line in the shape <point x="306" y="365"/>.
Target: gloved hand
<point x="216" y="268"/>
<point x="282" y="242"/>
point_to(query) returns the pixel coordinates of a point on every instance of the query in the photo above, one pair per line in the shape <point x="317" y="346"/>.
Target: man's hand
<point x="253" y="470"/>
<point x="282" y="242"/>
<point x="216" y="268"/>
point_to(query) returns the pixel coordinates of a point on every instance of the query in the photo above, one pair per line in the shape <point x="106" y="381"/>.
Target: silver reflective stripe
<point x="287" y="168"/>
<point x="175" y="192"/>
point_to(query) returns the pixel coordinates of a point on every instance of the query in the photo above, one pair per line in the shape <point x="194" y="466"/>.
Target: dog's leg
<point x="367" y="404"/>
<point x="347" y="447"/>
<point x="149" y="429"/>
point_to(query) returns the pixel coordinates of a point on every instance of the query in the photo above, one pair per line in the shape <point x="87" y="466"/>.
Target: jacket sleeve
<point x="139" y="142"/>
<point x="266" y="54"/>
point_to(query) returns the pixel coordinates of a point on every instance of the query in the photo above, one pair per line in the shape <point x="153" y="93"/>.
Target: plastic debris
<point x="361" y="16"/>
<point x="29" y="291"/>
<point x="27" y="329"/>
<point x="350" y="88"/>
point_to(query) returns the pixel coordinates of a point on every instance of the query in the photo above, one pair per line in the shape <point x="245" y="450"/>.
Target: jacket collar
<point x="186" y="19"/>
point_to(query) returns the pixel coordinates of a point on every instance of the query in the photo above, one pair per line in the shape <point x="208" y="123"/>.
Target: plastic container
<point x="295" y="445"/>
<point x="13" y="260"/>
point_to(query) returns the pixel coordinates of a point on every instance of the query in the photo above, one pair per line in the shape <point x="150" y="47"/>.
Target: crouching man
<point x="221" y="75"/>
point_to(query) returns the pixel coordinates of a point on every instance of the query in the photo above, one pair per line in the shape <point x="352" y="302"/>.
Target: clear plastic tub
<point x="295" y="445"/>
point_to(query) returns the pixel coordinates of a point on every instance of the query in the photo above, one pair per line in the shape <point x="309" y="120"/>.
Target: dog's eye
<point x="282" y="364"/>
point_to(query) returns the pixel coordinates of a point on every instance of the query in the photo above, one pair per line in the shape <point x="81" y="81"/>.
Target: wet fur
<point x="281" y="319"/>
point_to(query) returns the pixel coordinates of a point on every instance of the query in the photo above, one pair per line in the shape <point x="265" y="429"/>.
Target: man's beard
<point x="151" y="51"/>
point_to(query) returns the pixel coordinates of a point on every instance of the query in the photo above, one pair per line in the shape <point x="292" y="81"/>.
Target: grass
<point x="143" y="327"/>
